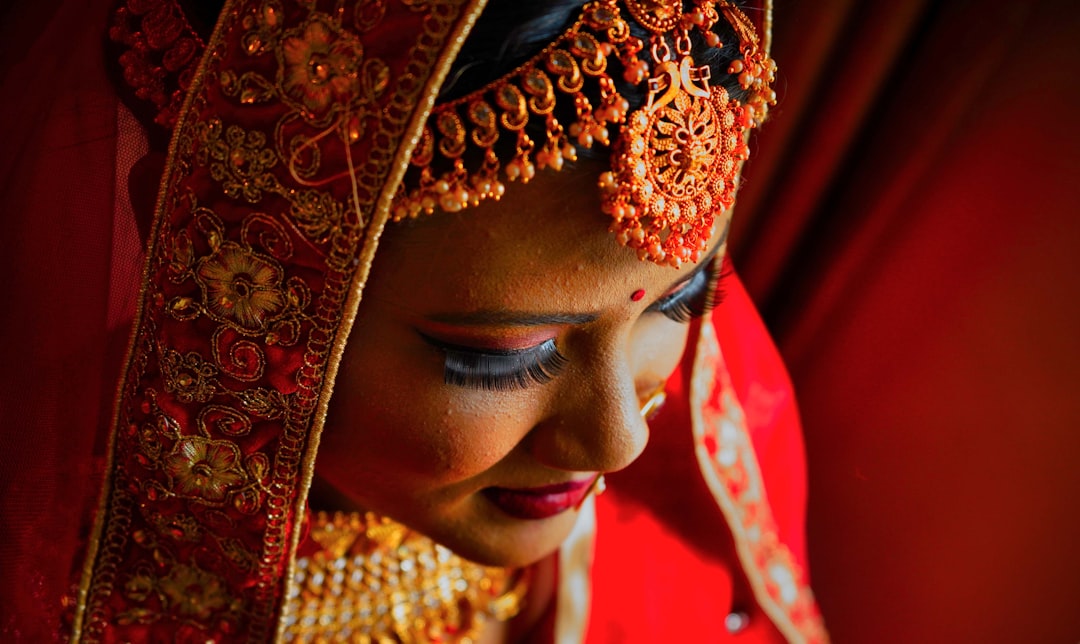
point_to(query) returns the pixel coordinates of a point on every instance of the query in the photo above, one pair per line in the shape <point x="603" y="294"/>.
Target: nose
<point x="595" y="423"/>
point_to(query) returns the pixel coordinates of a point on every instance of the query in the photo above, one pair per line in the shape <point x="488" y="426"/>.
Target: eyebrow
<point x="494" y="317"/>
<point x="512" y="318"/>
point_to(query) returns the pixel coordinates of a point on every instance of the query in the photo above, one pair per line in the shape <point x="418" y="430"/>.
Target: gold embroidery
<point x="238" y="555"/>
<point x="240" y="286"/>
<point x="239" y="160"/>
<point x="241" y="311"/>
<point x="191" y="592"/>
<point x="317" y="214"/>
<point x="188" y="376"/>
<point x="181" y="593"/>
<point x="322" y="65"/>
<point x="261" y="401"/>
<point x="729" y="464"/>
<point x="219" y="419"/>
<point x="203" y="469"/>
<point x="182" y="527"/>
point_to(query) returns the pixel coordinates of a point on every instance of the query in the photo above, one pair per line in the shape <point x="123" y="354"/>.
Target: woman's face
<point x="497" y="351"/>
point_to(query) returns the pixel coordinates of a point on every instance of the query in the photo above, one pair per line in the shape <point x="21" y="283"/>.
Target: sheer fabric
<point x="67" y="255"/>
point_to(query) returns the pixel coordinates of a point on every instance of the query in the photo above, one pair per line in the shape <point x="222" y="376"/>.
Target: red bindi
<point x="638" y="294"/>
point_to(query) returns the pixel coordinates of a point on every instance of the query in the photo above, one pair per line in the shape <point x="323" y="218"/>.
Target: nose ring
<point x="653" y="403"/>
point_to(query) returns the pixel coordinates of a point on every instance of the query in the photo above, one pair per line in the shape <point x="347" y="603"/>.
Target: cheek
<point x="400" y="423"/>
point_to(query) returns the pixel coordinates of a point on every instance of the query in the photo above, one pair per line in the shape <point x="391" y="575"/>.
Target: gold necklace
<point x="374" y="580"/>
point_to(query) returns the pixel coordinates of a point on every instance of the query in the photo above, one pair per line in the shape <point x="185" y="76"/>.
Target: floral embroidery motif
<point x="186" y="593"/>
<point x="262" y="402"/>
<point x="175" y="592"/>
<point x="317" y="214"/>
<point x="321" y="66"/>
<point x="191" y="592"/>
<point x="241" y="161"/>
<point x="188" y="376"/>
<point x="240" y="286"/>
<point x="241" y="308"/>
<point x="205" y="469"/>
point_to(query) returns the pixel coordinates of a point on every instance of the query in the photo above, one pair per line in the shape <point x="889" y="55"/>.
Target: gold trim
<point x="93" y="543"/>
<point x="113" y="528"/>
<point x="366" y="258"/>
<point x="702" y="384"/>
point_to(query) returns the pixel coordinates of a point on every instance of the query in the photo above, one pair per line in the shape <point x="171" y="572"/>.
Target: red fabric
<point x="63" y="335"/>
<point x="661" y="504"/>
<point x="909" y="224"/>
<point x="60" y="348"/>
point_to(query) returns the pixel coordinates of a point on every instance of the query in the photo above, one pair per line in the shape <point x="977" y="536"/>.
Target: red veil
<point x="731" y="534"/>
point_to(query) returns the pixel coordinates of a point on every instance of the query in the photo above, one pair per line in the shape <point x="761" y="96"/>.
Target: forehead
<point x="546" y="239"/>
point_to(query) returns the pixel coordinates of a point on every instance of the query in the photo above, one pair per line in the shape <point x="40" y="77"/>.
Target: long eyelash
<point x="698" y="299"/>
<point x="502" y="371"/>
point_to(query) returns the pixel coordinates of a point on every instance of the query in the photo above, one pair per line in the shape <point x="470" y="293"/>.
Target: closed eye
<point x="499" y="369"/>
<point x="699" y="296"/>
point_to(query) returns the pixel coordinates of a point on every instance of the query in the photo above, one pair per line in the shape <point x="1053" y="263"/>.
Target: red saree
<point x="720" y="492"/>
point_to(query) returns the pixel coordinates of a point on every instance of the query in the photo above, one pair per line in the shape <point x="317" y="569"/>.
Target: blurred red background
<point x="909" y="227"/>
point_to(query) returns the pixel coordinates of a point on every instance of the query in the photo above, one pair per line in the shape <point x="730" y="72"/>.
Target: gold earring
<point x="653" y="404"/>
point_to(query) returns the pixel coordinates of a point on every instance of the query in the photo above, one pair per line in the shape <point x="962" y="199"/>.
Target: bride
<point x="424" y="280"/>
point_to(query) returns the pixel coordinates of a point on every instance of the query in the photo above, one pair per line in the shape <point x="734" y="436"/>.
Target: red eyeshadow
<point x="489" y="339"/>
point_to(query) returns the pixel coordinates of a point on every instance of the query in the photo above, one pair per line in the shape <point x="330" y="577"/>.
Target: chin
<point x="495" y="539"/>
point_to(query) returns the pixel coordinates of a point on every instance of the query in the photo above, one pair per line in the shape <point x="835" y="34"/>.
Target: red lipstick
<point x="540" y="502"/>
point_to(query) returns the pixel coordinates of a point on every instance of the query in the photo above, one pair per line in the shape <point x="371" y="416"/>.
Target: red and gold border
<point x="729" y="465"/>
<point x="260" y="249"/>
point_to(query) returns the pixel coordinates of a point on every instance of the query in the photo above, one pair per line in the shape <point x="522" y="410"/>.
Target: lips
<point x="539" y="502"/>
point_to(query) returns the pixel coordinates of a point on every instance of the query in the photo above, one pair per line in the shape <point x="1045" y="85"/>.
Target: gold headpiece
<point x="675" y="158"/>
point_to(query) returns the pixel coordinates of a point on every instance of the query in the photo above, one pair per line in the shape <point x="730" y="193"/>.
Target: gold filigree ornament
<point x="675" y="159"/>
<point x="374" y="580"/>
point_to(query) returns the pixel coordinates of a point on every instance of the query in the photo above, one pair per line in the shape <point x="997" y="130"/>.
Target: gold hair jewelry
<point x="374" y="580"/>
<point x="675" y="159"/>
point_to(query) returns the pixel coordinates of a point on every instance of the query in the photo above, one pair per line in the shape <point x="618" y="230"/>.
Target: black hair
<point x="509" y="32"/>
